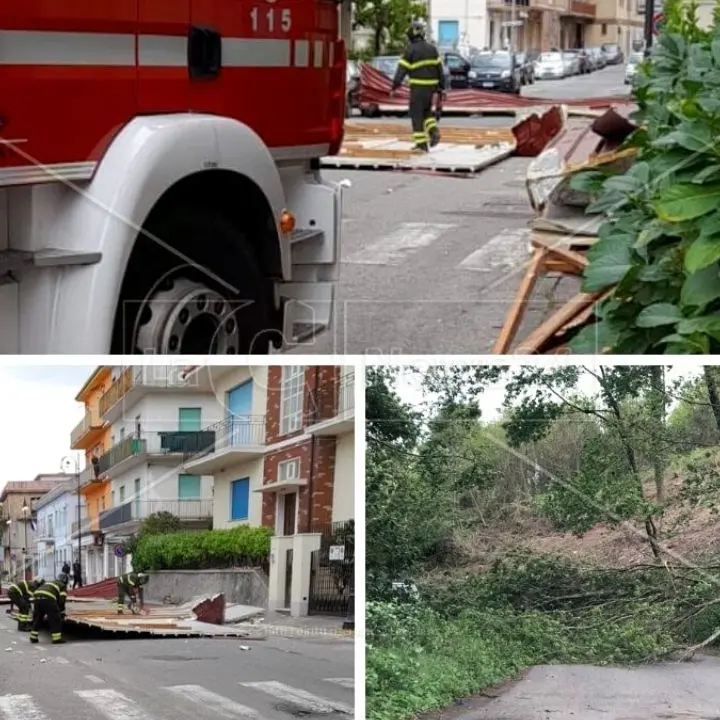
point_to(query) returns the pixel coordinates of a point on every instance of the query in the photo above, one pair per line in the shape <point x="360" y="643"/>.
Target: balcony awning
<point x="282" y="486"/>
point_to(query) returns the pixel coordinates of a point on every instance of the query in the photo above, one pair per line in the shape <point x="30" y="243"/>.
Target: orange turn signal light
<point x="287" y="221"/>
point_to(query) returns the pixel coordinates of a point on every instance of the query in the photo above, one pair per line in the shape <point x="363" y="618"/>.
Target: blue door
<point x="448" y="32"/>
<point x="239" y="407"/>
<point x="240" y="499"/>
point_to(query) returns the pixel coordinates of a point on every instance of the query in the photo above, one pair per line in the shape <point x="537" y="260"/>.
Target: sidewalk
<point x="318" y="626"/>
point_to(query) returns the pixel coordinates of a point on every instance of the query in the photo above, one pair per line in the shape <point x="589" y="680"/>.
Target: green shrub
<point x="198" y="550"/>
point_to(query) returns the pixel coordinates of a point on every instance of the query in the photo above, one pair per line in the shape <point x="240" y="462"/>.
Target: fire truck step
<point x="13" y="260"/>
<point x="308" y="308"/>
<point x="305" y="235"/>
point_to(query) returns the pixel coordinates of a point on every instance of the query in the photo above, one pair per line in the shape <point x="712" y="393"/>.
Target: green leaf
<point x="712" y="172"/>
<point x="589" y="182"/>
<point x="659" y="314"/>
<point x="696" y="136"/>
<point x="701" y="287"/>
<point x="654" y="230"/>
<point x="704" y="251"/>
<point x="685" y="202"/>
<point x="609" y="260"/>
<point x="593" y="339"/>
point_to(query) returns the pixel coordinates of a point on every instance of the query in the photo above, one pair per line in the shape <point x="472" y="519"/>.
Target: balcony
<point x="332" y="407"/>
<point x="507" y="4"/>
<point x="45" y="534"/>
<point x="84" y="526"/>
<point x="583" y="9"/>
<point x="136" y="381"/>
<point x="235" y="440"/>
<point x="169" y="446"/>
<point x="188" y="511"/>
<point x="87" y="432"/>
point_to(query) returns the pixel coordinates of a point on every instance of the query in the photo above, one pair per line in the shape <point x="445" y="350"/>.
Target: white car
<point x="631" y="66"/>
<point x="572" y="63"/>
<point x="550" y="65"/>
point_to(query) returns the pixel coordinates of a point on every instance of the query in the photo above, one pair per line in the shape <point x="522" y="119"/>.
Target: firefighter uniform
<point x="50" y="602"/>
<point x="130" y="584"/>
<point x="422" y="64"/>
<point x="21" y="595"/>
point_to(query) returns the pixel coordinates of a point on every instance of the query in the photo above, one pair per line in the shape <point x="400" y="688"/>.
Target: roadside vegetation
<point x="528" y="515"/>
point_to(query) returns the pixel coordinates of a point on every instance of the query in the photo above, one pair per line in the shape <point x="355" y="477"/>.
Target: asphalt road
<point x="430" y="262"/>
<point x="194" y="679"/>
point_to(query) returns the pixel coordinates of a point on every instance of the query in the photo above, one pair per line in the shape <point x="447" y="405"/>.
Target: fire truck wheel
<point x="197" y="289"/>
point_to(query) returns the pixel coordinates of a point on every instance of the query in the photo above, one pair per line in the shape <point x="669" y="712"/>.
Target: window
<point x="189" y="487"/>
<point x="122" y="494"/>
<point x="240" y="499"/>
<point x="291" y="402"/>
<point x="190" y="419"/>
<point x="289" y="470"/>
<point x="136" y="493"/>
<point x="112" y="494"/>
<point x="603" y="29"/>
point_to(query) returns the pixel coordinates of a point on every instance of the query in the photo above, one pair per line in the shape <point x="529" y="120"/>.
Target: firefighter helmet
<point x="143" y="578"/>
<point x="416" y="31"/>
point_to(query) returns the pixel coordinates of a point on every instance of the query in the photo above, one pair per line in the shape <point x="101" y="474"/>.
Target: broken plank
<point x="568" y="256"/>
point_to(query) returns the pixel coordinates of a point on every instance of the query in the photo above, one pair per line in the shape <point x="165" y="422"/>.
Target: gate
<point x="288" y="577"/>
<point x="331" y="570"/>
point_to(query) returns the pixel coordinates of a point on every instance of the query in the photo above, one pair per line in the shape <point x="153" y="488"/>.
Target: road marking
<point x="507" y="249"/>
<point x="112" y="704"/>
<point x="221" y="706"/>
<point x="95" y="679"/>
<point x="306" y="701"/>
<point x="343" y="682"/>
<point x="393" y="248"/>
<point x="20" y="707"/>
<point x="62" y="661"/>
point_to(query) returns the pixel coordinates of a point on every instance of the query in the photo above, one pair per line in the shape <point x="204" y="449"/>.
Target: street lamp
<point x="67" y="464"/>
<point x="25" y="512"/>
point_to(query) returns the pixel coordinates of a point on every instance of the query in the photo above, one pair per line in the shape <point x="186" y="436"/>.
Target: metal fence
<point x="332" y="569"/>
<point x="235" y="432"/>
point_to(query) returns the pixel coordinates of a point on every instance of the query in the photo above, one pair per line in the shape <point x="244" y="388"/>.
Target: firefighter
<point x="131" y="584"/>
<point x="21" y="594"/>
<point x="50" y="602"/>
<point x="422" y="64"/>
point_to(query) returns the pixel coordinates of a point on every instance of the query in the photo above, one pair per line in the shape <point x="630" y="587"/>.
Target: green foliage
<point x="160" y="523"/>
<point x="660" y="243"/>
<point x="389" y="21"/>
<point x="388" y="419"/>
<point x="200" y="550"/>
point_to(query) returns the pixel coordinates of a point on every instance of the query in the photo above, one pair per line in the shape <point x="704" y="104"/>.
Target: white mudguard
<point x="70" y="309"/>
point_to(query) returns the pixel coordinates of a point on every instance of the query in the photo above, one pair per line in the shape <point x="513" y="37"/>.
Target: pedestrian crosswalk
<point x="250" y="701"/>
<point x="508" y="249"/>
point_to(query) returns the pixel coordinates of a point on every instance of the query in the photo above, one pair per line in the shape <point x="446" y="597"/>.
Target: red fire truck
<point x="159" y="174"/>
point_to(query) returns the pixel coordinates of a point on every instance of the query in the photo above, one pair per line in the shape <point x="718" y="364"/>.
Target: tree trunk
<point x="377" y="39"/>
<point x="657" y="407"/>
<point x="712" y="394"/>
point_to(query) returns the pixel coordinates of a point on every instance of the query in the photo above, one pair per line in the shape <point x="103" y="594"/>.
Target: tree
<point x="389" y="20"/>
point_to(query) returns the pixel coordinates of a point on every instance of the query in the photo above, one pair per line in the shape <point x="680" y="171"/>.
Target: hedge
<point x="201" y="550"/>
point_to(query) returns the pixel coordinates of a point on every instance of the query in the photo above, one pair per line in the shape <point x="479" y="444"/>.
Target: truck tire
<point x="208" y="296"/>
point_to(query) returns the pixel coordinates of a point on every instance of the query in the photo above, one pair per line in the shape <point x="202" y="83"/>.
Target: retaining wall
<point x="246" y="586"/>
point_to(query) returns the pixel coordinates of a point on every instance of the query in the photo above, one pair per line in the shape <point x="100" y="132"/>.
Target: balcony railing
<point x="151" y="376"/>
<point x="201" y="509"/>
<point x="332" y="398"/>
<point x="83" y="525"/>
<point x="160" y="442"/>
<point x="235" y="432"/>
<point x="509" y="3"/>
<point x="88" y="422"/>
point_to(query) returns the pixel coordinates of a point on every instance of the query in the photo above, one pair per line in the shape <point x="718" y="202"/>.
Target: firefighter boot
<point x="34" y="637"/>
<point x="56" y="639"/>
<point x="434" y="137"/>
<point x="420" y="148"/>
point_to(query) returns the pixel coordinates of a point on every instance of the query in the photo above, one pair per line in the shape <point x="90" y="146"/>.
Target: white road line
<point x="95" y="679"/>
<point x="112" y="704"/>
<point x="20" y="707"/>
<point x="306" y="701"/>
<point x="343" y="682"/>
<point x="393" y="248"/>
<point x="507" y="249"/>
<point x="221" y="706"/>
<point x="62" y="661"/>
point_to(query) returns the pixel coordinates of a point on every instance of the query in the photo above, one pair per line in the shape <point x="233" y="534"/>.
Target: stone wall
<point x="243" y="586"/>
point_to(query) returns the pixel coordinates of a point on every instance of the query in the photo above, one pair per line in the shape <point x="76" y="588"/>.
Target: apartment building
<point x="18" y="522"/>
<point x="148" y="416"/>
<point x="283" y="457"/>
<point x="618" y="22"/>
<point x="57" y="516"/>
<point x="459" y="24"/>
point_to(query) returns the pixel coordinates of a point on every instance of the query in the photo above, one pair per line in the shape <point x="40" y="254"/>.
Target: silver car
<point x="550" y="66"/>
<point x="631" y="66"/>
<point x="572" y="63"/>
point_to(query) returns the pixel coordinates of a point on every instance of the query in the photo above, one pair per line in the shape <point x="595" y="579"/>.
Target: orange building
<point x="92" y="436"/>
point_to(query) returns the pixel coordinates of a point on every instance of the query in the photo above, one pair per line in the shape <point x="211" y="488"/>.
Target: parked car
<point x="631" y="66"/>
<point x="387" y="65"/>
<point x="613" y="53"/>
<point x="458" y="68"/>
<point x="527" y="68"/>
<point x="495" y="71"/>
<point x="353" y="85"/>
<point x="571" y="62"/>
<point x="597" y="56"/>
<point x="585" y="66"/>
<point x="549" y="66"/>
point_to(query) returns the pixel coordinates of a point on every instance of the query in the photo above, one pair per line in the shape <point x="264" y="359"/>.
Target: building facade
<point x="57" y="514"/>
<point x="18" y="522"/>
<point x="459" y="24"/>
<point x="283" y="457"/>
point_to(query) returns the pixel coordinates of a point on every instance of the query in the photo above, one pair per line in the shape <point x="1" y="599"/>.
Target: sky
<point x="409" y="389"/>
<point x="39" y="412"/>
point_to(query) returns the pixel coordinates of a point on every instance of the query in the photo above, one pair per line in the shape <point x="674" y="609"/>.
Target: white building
<point x="57" y="519"/>
<point x="460" y="24"/>
<point x="151" y="425"/>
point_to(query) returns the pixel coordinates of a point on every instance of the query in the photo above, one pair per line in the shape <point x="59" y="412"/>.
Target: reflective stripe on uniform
<point x="23" y="47"/>
<point x="45" y="593"/>
<point x="426" y="83"/>
<point x="56" y="636"/>
<point x="419" y="64"/>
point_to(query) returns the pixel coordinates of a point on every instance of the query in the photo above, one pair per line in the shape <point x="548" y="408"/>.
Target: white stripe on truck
<point x="20" y="47"/>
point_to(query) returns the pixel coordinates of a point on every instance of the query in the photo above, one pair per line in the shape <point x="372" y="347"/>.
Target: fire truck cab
<point x="160" y="189"/>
